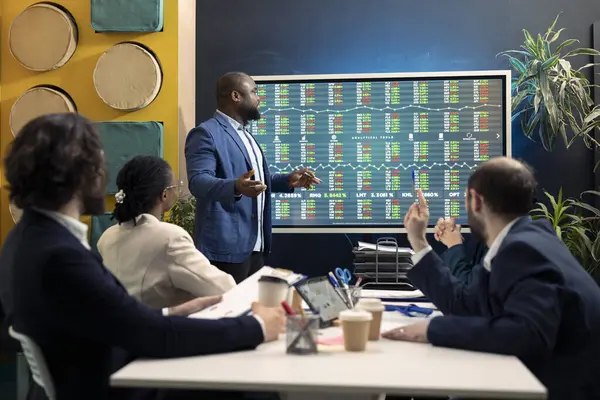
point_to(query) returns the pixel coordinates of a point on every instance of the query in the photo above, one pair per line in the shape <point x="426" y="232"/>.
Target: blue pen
<point x="414" y="186"/>
<point x="334" y="281"/>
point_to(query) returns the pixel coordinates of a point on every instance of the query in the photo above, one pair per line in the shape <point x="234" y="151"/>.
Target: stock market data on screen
<point x="367" y="139"/>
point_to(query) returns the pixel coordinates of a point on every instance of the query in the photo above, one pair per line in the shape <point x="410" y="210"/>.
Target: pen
<point x="414" y="187"/>
<point x="311" y="175"/>
<point x="358" y="281"/>
<point x="287" y="308"/>
<point x="301" y="312"/>
<point x="334" y="281"/>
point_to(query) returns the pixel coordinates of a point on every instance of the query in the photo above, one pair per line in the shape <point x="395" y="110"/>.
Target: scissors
<point x="343" y="275"/>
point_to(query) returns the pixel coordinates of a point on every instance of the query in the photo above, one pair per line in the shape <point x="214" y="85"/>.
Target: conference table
<point x="385" y="368"/>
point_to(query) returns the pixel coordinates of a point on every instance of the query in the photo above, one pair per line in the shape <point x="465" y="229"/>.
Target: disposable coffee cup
<point x="376" y="308"/>
<point x="355" y="327"/>
<point x="272" y="290"/>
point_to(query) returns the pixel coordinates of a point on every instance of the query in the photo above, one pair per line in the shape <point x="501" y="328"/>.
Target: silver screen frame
<point x="506" y="74"/>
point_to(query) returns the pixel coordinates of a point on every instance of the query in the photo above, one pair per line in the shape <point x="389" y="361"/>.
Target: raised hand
<point x="415" y="222"/>
<point x="448" y="232"/>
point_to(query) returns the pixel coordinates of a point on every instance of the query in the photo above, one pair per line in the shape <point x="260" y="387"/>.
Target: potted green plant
<point x="550" y="97"/>
<point x="577" y="224"/>
<point x="183" y="214"/>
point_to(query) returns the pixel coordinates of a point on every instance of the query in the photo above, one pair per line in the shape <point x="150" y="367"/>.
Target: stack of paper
<point x="238" y="300"/>
<point x="387" y="249"/>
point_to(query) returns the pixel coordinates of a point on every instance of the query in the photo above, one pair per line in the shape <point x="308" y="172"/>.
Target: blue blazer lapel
<point x="236" y="138"/>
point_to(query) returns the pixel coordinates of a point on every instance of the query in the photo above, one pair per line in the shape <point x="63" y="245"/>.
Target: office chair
<point x="36" y="361"/>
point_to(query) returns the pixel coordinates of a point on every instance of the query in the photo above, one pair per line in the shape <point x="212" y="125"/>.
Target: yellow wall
<point x="2" y="216"/>
<point x="76" y="78"/>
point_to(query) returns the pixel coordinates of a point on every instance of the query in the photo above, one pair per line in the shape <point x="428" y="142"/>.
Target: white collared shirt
<point x="489" y="256"/>
<point x="493" y="250"/>
<point x="256" y="159"/>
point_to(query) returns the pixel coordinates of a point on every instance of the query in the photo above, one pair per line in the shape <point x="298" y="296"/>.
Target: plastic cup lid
<point x="370" y="305"/>
<point x="272" y="279"/>
<point x="355" y="315"/>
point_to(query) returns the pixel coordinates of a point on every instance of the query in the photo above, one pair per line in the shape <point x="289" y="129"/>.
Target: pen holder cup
<point x="302" y="334"/>
<point x="350" y="295"/>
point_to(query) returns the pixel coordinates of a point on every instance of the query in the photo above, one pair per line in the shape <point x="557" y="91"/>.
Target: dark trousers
<point x="241" y="271"/>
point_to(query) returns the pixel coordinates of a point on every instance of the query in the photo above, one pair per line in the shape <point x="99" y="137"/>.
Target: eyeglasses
<point x="178" y="188"/>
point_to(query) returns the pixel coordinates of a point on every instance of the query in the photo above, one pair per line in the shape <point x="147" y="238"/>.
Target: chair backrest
<point x="36" y="361"/>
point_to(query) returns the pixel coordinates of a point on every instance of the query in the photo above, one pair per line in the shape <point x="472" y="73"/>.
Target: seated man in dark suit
<point x="531" y="298"/>
<point x="58" y="292"/>
<point x="460" y="258"/>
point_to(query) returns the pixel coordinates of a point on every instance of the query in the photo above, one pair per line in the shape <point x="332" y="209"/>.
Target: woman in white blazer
<point x="156" y="261"/>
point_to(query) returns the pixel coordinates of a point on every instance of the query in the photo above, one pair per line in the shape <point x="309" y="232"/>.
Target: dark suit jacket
<point x="464" y="258"/>
<point x="226" y="226"/>
<point x="537" y="303"/>
<point x="59" y="293"/>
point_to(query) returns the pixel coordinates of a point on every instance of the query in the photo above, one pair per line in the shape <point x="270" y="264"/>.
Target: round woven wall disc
<point x="38" y="101"/>
<point x="127" y="77"/>
<point x="15" y="212"/>
<point x="43" y="37"/>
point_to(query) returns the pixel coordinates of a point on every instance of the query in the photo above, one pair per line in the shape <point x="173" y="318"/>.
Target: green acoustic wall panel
<point x="124" y="140"/>
<point x="100" y="223"/>
<point x="127" y="15"/>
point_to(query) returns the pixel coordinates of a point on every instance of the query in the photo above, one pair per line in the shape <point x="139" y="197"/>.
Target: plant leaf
<point x="549" y="63"/>
<point x="517" y="64"/>
<point x="537" y="99"/>
<point x="531" y="124"/>
<point x="590" y="208"/>
<point x="549" y="102"/>
<point x="564" y="44"/>
<point x="556" y="36"/>
<point x="594" y="192"/>
<point x="595" y="113"/>
<point x="551" y="27"/>
<point x="582" y="51"/>
<point x="521" y="52"/>
<point x="565" y="64"/>
<point x="522" y="111"/>
<point x="588" y="65"/>
<point x="529" y="42"/>
<point x="563" y="134"/>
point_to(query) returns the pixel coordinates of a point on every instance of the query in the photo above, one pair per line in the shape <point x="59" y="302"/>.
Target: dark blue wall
<point x="270" y="37"/>
<point x="596" y="43"/>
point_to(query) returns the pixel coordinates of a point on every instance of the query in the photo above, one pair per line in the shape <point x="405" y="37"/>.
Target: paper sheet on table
<point x="331" y="340"/>
<point x="238" y="300"/>
<point x="387" y="249"/>
<point x="391" y="294"/>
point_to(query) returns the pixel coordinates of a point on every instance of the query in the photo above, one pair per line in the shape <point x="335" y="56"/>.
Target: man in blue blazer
<point x="54" y="289"/>
<point x="531" y="298"/>
<point x="229" y="176"/>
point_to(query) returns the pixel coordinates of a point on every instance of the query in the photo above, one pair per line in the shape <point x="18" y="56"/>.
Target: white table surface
<point x="392" y="367"/>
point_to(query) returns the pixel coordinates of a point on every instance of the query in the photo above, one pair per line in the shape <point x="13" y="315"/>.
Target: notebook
<point x="238" y="301"/>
